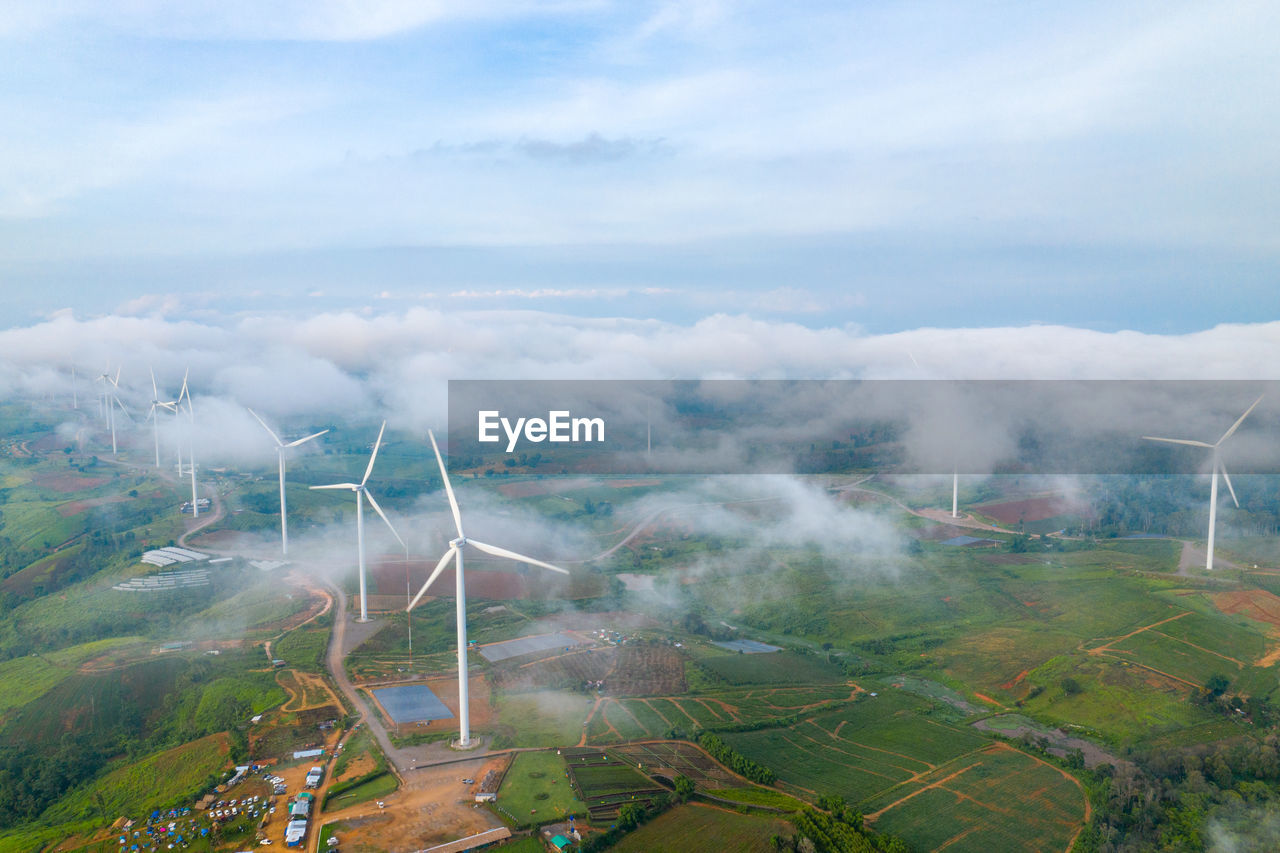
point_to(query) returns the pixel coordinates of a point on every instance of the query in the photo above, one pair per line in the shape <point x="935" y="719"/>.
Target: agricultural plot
<point x="538" y="719"/>
<point x="158" y="779"/>
<point x="676" y="758"/>
<point x="28" y="678"/>
<point x="860" y="750"/>
<point x="606" y="783"/>
<point x="536" y="787"/>
<point x="1118" y="702"/>
<point x="784" y="667"/>
<point x="997" y="799"/>
<point x="572" y="670"/>
<point x="694" y="828"/>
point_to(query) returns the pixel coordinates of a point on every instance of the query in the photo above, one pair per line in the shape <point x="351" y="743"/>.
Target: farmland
<point x="993" y="799"/>
<point x="536" y="787"/>
<point x="860" y="750"/>
<point x="695" y="828"/>
<point x="606" y="783"/>
<point x="159" y="779"/>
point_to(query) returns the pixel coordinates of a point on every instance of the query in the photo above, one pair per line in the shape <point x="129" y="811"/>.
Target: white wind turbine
<point x="185" y="393"/>
<point x="1217" y="466"/>
<point x="281" y="447"/>
<point x="104" y="380"/>
<point x="110" y="388"/>
<point x="362" y="492"/>
<point x="455" y="552"/>
<point x="157" y="403"/>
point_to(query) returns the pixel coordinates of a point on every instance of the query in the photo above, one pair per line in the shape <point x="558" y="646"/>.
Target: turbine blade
<point x="305" y="440"/>
<point x="267" y="428"/>
<point x="448" y="487"/>
<point x="368" y="494"/>
<point x="184" y="392"/>
<point x="1179" y="441"/>
<point x="512" y="555"/>
<point x="1227" y="477"/>
<point x="351" y="486"/>
<point x="432" y="578"/>
<point x="1235" y="426"/>
<point x="374" y="456"/>
<point x="155" y="392"/>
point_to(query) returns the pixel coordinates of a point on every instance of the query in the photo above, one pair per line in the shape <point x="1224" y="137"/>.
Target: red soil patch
<point x="1032" y="509"/>
<point x="531" y="488"/>
<point x="71" y="508"/>
<point x="1009" y="685"/>
<point x="67" y="483"/>
<point x="1256" y="604"/>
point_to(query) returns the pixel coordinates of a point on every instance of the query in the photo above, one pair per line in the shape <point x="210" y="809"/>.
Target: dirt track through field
<point x="1097" y="650"/>
<point x="1201" y="648"/>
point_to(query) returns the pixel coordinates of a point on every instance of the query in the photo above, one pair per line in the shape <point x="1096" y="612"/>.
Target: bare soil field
<point x="68" y="482"/>
<point x="1032" y="509"/>
<point x="533" y="488"/>
<point x="643" y="670"/>
<point x="387" y="577"/>
<point x="1257" y="604"/>
<point x="432" y="806"/>
<point x="71" y="508"/>
<point x="306" y="690"/>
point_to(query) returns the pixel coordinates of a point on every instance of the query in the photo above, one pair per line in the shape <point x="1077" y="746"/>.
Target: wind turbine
<point x="362" y="492"/>
<point x="281" y="447"/>
<point x="185" y="393"/>
<point x="104" y="378"/>
<point x="157" y="403"/>
<point x="113" y="400"/>
<point x="1217" y="466"/>
<point x="455" y="552"/>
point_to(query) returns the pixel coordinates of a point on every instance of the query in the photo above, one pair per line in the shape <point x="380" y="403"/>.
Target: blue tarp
<point x="968" y="540"/>
<point x="411" y="703"/>
<point x="526" y="646"/>
<point x="750" y="647"/>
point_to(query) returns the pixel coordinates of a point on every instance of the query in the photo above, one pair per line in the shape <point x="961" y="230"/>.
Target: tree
<point x="1217" y="684"/>
<point x="684" y="788"/>
<point x="1070" y="686"/>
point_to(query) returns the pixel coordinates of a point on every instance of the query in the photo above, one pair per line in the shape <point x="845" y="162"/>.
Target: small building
<point x="486" y="797"/>
<point x="560" y="842"/>
<point x="295" y="832"/>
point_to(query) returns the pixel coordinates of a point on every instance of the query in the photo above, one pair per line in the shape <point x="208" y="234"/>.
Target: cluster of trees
<point x="841" y="831"/>
<point x="734" y="760"/>
<point x="125" y="714"/>
<point x="1175" y="799"/>
<point x="630" y="816"/>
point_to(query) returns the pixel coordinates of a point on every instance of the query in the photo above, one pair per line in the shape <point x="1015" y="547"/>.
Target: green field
<point x="536" y="789"/>
<point x="160" y="779"/>
<point x="991" y="801"/>
<point x="783" y="667"/>
<point x="859" y="750"/>
<point x="30" y="677"/>
<point x="695" y="828"/>
<point x="370" y="789"/>
<point x="548" y="718"/>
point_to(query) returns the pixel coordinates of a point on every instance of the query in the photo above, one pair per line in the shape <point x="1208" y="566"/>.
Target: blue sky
<point x="1100" y="165"/>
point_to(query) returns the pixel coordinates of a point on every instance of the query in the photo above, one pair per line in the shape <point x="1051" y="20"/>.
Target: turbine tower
<point x="281" y="447"/>
<point x="454" y="552"/>
<point x="110" y="389"/>
<point x="191" y="432"/>
<point x="362" y="492"/>
<point x="157" y="403"/>
<point x="1217" y="466"/>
